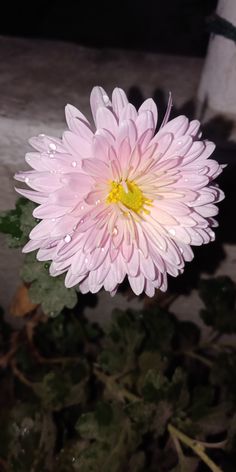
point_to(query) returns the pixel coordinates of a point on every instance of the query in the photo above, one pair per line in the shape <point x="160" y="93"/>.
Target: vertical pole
<point x="217" y="90"/>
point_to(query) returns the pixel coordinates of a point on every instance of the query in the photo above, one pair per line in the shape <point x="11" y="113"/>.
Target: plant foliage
<point x="144" y="394"/>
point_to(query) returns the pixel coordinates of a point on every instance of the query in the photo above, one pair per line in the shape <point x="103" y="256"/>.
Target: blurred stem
<point x="196" y="446"/>
<point x="114" y="388"/>
<point x="20" y="375"/>
<point x="199" y="357"/>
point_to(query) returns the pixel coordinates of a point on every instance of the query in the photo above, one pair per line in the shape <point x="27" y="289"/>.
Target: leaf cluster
<point x="49" y="292"/>
<point x="80" y="398"/>
<point x="145" y="394"/>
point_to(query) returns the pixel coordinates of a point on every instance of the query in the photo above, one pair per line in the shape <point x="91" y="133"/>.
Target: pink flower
<point x="121" y="200"/>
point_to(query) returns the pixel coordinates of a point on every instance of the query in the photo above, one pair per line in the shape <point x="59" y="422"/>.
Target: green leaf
<point x="124" y="338"/>
<point x="46" y="290"/>
<point x="159" y="326"/>
<point x="18" y="223"/>
<point x="202" y="399"/>
<point x="137" y="462"/>
<point x="32" y="439"/>
<point x="61" y="336"/>
<point x="100" y="424"/>
<point x="219" y="297"/>
<point x="112" y="441"/>
<point x="59" y="390"/>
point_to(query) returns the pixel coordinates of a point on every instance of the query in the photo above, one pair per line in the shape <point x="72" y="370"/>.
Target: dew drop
<point x="74" y="163"/>
<point x="181" y="250"/>
<point x="172" y="231"/>
<point x="41" y="135"/>
<point x="86" y="260"/>
<point x="26" y="180"/>
<point x="115" y="231"/>
<point x="51" y="155"/>
<point x="105" y="98"/>
<point x="46" y="266"/>
<point x="67" y="238"/>
<point x="53" y="219"/>
<point x="179" y="143"/>
<point x="212" y="235"/>
<point x="53" y="314"/>
<point x="97" y="202"/>
<point x="24" y="431"/>
<point x="185" y="180"/>
<point x="81" y="221"/>
<point x="82" y="207"/>
<point x="102" y="249"/>
<point x="52" y="146"/>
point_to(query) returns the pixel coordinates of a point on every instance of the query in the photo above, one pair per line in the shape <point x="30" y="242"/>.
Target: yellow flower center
<point x="129" y="194"/>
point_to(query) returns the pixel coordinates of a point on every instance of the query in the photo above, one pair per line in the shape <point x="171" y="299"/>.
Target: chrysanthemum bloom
<point x="120" y="200"/>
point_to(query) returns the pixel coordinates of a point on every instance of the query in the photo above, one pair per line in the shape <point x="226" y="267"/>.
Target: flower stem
<point x="196" y="446"/>
<point x="199" y="357"/>
<point x="114" y="388"/>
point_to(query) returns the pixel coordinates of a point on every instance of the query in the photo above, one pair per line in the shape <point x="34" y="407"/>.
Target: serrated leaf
<point x="219" y="297"/>
<point x="18" y="223"/>
<point x="48" y="291"/>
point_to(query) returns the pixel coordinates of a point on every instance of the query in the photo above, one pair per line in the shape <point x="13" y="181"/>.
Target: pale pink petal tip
<point x="119" y="199"/>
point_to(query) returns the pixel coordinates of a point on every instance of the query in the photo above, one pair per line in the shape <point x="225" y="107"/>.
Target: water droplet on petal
<point x="115" y="231"/>
<point x="103" y="249"/>
<point x="86" y="260"/>
<point x="82" y="207"/>
<point x="74" y="163"/>
<point x="106" y="98"/>
<point x="212" y="235"/>
<point x="26" y="180"/>
<point x="97" y="202"/>
<point x="81" y="221"/>
<point x="52" y="314"/>
<point x="51" y="155"/>
<point x="67" y="238"/>
<point x="53" y="219"/>
<point x="24" y="431"/>
<point x="52" y="146"/>
<point x="41" y="135"/>
<point x="172" y="231"/>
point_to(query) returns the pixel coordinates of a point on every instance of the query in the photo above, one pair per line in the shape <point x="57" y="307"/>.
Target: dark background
<point x="174" y="26"/>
